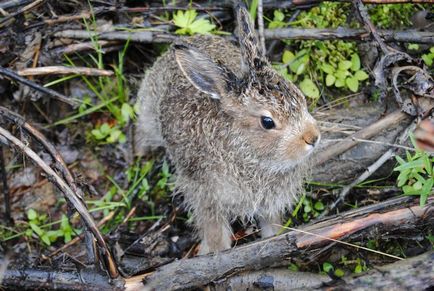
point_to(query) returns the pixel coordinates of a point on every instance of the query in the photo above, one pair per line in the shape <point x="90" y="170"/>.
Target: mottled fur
<point x="203" y="101"/>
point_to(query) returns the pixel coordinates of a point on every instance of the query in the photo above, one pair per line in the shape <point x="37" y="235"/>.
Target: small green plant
<point x="416" y="174"/>
<point x="392" y="15"/>
<point x="112" y="92"/>
<point x="428" y="58"/>
<point x="314" y="65"/>
<point x="37" y="226"/>
<point x="108" y="134"/>
<point x="330" y="269"/>
<point x="189" y="25"/>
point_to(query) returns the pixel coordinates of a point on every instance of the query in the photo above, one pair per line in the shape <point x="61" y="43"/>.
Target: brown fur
<point x="203" y="102"/>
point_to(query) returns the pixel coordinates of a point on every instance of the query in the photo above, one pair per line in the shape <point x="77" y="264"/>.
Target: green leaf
<point x="410" y="165"/>
<point x="319" y="205"/>
<point x="36" y="228"/>
<point x="339" y="273"/>
<point x="46" y="239"/>
<point x="426" y="190"/>
<point x="309" y="88"/>
<point x="114" y="136"/>
<point x="339" y="83"/>
<point x="202" y="26"/>
<point x="105" y="129"/>
<point x="361" y="75"/>
<point x="31" y="214"/>
<point x="330" y="80"/>
<point x="358" y="269"/>
<point x="340" y="74"/>
<point x="327" y="267"/>
<point x="287" y="57"/>
<point x="355" y="62"/>
<point x="327" y="68"/>
<point x="344" y="65"/>
<point x="352" y="83"/>
<point x="278" y="15"/>
<point x="428" y="59"/>
<point x="97" y="134"/>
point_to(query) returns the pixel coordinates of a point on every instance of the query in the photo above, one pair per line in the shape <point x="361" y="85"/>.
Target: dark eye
<point x="267" y="122"/>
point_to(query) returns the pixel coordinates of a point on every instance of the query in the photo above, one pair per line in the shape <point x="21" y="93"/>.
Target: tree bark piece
<point x="202" y="270"/>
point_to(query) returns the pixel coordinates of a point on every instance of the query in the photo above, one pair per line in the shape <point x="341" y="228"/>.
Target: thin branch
<point x="14" y="76"/>
<point x="62" y="70"/>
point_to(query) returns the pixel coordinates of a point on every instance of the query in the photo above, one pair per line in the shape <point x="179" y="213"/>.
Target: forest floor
<point x="78" y="89"/>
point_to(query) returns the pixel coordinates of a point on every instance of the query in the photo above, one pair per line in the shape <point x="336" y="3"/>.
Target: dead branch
<point x="202" y="270"/>
<point x="412" y="36"/>
<point x="62" y="70"/>
<point x="11" y="74"/>
<point x="341" y="33"/>
<point x="50" y="279"/>
<point x="387" y="122"/>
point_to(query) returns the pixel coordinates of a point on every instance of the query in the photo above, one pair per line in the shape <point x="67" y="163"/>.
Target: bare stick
<point x="70" y="196"/>
<point x="390" y="120"/>
<point x="62" y="70"/>
<point x="261" y="26"/>
<point x="11" y="74"/>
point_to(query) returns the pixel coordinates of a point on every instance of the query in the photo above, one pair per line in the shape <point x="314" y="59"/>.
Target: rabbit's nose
<point x="312" y="136"/>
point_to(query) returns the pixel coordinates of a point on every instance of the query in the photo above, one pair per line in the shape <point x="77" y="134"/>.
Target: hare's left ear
<point x="203" y="73"/>
<point x="251" y="52"/>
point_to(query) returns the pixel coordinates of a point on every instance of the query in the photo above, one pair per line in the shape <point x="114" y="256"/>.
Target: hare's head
<point x="268" y="112"/>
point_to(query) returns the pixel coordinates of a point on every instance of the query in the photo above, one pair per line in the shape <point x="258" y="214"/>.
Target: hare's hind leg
<point x="270" y="224"/>
<point x="215" y="235"/>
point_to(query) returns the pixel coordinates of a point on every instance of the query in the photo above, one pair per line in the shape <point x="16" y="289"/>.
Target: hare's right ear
<point x="203" y="73"/>
<point x="252" y="54"/>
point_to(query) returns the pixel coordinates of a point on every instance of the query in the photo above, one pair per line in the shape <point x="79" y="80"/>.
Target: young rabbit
<point x="236" y="131"/>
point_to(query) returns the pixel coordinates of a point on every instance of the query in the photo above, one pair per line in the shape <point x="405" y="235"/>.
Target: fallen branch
<point x="412" y="36"/>
<point x="202" y="270"/>
<point x="62" y="70"/>
<point x="11" y="74"/>
<point x="32" y="278"/>
<point x="387" y="122"/>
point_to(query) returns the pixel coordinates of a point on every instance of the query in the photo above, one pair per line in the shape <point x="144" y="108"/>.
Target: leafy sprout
<point x="188" y="24"/>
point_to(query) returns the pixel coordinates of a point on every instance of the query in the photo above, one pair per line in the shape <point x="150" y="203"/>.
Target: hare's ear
<point x="202" y="72"/>
<point x="251" y="52"/>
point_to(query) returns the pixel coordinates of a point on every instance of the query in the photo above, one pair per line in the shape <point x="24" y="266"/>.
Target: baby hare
<point x="236" y="131"/>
